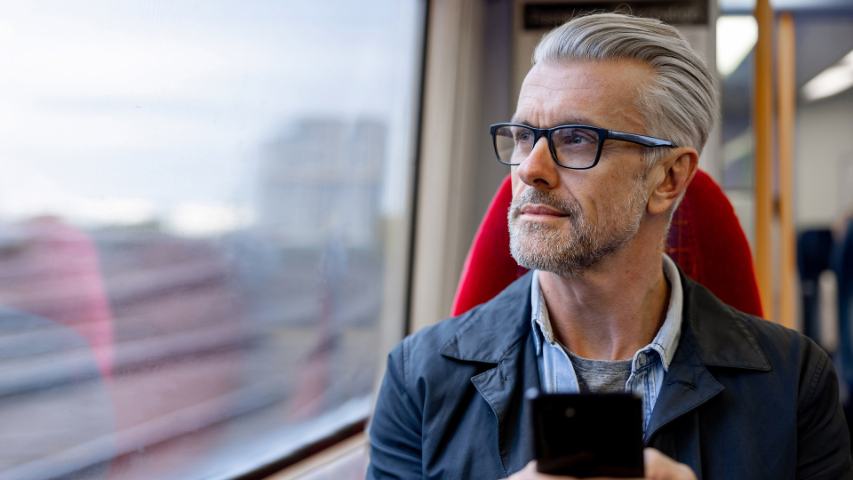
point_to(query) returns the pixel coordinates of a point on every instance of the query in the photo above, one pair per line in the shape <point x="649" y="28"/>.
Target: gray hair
<point x="679" y="105"/>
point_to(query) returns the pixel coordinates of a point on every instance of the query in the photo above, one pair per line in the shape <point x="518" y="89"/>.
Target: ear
<point x="672" y="175"/>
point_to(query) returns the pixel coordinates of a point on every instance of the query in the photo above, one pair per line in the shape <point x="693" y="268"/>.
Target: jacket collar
<point x="498" y="333"/>
<point x="492" y="330"/>
<point x="720" y="333"/>
<point x="713" y="335"/>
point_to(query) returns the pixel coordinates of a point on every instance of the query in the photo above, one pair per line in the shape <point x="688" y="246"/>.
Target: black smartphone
<point x="588" y="434"/>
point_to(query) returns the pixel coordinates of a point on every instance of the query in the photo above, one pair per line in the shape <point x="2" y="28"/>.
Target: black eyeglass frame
<point x="603" y="135"/>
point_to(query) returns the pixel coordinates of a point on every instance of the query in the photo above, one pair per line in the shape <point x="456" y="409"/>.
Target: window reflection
<point x="202" y="228"/>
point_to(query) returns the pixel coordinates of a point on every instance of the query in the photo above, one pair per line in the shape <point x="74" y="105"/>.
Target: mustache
<point x="532" y="195"/>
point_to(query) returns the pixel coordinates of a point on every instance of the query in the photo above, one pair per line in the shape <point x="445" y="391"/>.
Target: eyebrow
<point x="573" y="120"/>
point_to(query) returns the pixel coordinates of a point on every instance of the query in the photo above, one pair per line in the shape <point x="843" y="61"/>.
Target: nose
<point x="539" y="169"/>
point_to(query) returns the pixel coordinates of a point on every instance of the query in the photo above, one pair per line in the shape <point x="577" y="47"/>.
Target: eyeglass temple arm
<point x="640" y="139"/>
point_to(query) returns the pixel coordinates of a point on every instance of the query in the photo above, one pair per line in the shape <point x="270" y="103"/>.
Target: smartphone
<point x="588" y="434"/>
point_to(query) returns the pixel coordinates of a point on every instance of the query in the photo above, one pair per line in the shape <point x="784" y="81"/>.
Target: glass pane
<point x="513" y="144"/>
<point x="203" y="228"/>
<point x="575" y="147"/>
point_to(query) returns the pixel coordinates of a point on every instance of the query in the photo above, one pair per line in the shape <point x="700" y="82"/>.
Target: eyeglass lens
<point x="575" y="147"/>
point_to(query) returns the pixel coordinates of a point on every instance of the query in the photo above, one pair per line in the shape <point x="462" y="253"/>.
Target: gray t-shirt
<point x="601" y="376"/>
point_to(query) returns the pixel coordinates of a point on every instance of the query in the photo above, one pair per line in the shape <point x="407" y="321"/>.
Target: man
<point x="603" y="144"/>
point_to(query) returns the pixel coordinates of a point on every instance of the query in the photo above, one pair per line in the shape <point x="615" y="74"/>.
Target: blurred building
<point x="320" y="178"/>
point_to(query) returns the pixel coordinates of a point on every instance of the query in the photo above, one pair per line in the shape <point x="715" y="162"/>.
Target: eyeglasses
<point x="572" y="146"/>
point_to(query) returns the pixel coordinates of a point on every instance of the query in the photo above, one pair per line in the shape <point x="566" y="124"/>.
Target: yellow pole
<point x="786" y="105"/>
<point x="763" y="129"/>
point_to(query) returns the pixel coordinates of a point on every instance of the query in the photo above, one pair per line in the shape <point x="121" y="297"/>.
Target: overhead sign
<point x="542" y="16"/>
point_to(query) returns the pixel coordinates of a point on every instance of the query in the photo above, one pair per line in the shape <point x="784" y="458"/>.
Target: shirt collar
<point x="665" y="342"/>
<point x="538" y="318"/>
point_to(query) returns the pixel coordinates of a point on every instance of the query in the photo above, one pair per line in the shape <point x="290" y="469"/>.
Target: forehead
<point x="602" y="93"/>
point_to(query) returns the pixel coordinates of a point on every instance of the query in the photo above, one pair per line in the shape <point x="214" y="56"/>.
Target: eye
<point x="522" y="135"/>
<point x="576" y="137"/>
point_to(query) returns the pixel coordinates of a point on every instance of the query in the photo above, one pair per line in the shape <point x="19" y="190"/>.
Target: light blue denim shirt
<point x="648" y="367"/>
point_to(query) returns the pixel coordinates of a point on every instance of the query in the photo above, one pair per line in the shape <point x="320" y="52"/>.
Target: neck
<point x="612" y="309"/>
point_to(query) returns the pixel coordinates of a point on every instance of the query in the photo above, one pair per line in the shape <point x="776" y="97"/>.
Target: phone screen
<point x="588" y="434"/>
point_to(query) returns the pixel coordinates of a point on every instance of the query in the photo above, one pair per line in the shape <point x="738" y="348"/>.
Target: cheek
<point x="605" y="205"/>
<point x="517" y="184"/>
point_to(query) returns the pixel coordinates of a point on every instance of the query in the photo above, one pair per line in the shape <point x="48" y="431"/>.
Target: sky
<point x="119" y="112"/>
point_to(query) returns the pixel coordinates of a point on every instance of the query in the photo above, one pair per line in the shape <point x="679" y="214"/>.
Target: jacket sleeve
<point x="395" y="430"/>
<point x="823" y="443"/>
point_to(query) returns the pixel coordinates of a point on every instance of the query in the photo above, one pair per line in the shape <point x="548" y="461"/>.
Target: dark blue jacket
<point x="743" y="399"/>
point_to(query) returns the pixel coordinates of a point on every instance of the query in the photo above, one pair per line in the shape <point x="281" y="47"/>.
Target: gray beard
<point x="548" y="248"/>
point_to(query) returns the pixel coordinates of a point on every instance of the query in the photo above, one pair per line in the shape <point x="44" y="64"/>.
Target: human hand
<point x="658" y="467"/>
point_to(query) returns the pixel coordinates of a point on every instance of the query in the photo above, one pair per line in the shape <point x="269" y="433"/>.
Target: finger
<point x="661" y="467"/>
<point x="527" y="473"/>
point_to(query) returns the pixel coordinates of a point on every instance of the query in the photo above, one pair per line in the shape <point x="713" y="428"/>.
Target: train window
<point x="204" y="230"/>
